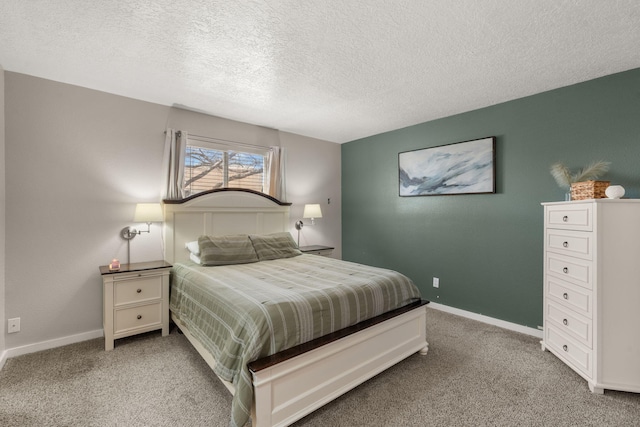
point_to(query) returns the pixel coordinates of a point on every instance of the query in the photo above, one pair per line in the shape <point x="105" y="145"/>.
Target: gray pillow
<point x="225" y="250"/>
<point x="274" y="246"/>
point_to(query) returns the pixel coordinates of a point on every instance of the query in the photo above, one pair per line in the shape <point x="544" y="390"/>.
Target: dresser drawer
<point x="571" y="243"/>
<point x="137" y="317"/>
<point x="137" y="289"/>
<point x="570" y="296"/>
<point x="570" y="323"/>
<point x="570" y="351"/>
<point x="570" y="217"/>
<point x="573" y="270"/>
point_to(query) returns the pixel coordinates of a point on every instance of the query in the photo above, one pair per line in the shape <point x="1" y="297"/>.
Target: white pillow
<point x="194" y="258"/>
<point x="193" y="247"/>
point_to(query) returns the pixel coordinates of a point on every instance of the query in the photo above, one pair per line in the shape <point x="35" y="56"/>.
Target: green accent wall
<point x="487" y="248"/>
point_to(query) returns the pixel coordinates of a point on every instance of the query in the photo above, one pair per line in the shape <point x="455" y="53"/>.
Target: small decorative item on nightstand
<point x="136" y="300"/>
<point x="316" y="250"/>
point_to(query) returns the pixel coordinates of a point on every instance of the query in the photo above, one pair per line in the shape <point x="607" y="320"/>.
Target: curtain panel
<point x="275" y="183"/>
<point x="175" y="146"/>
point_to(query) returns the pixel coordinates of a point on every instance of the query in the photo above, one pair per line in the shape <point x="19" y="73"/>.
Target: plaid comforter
<point x="241" y="313"/>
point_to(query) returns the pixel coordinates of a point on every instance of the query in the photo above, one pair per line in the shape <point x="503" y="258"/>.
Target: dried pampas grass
<point x="564" y="177"/>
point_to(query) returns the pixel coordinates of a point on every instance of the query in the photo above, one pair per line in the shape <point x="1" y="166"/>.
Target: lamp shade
<point x="148" y="212"/>
<point x="312" y="211"/>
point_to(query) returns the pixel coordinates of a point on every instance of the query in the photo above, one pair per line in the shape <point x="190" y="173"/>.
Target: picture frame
<point x="466" y="167"/>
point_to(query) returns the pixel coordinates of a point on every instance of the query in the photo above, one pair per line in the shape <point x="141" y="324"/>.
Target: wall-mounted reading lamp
<point x="145" y="212"/>
<point x="312" y="212"/>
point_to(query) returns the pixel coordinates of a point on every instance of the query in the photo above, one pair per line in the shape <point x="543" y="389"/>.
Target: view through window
<point x="209" y="166"/>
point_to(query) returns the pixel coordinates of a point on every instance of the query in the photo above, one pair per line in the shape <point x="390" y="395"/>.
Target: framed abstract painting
<point x="462" y="168"/>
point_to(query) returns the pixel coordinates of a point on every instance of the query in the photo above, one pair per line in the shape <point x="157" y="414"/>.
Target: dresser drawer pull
<point x="565" y="270"/>
<point x="565" y="322"/>
<point x="138" y="290"/>
<point x="565" y="295"/>
<point x="139" y="316"/>
<point x="565" y="348"/>
<point x="565" y="218"/>
<point x="565" y="244"/>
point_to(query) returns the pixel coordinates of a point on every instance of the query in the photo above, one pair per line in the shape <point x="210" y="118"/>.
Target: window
<point x="209" y="165"/>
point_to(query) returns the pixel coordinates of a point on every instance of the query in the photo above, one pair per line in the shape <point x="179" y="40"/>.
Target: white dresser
<point x="592" y="290"/>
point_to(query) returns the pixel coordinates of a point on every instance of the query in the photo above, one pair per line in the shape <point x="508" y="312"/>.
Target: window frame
<point x="225" y="147"/>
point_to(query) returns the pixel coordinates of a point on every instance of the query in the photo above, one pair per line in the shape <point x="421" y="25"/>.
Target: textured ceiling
<point x="336" y="70"/>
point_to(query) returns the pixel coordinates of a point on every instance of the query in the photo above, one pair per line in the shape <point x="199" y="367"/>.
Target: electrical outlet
<point x="14" y="325"/>
<point x="436" y="282"/>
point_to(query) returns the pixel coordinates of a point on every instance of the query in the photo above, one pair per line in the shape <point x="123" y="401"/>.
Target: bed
<point x="279" y="380"/>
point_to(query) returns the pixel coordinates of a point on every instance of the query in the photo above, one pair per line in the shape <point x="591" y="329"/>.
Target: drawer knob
<point x="565" y="218"/>
<point x="565" y="348"/>
<point x="565" y="321"/>
<point x="138" y="290"/>
<point x="565" y="295"/>
<point x="139" y="316"/>
<point x="565" y="270"/>
<point x="565" y="244"/>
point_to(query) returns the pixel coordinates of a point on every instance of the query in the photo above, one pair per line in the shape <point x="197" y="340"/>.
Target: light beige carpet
<point x="474" y="375"/>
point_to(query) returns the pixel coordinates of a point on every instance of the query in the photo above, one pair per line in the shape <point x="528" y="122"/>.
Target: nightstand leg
<point x="107" y="319"/>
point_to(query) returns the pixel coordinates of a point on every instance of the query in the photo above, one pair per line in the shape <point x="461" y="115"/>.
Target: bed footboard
<point x="287" y="391"/>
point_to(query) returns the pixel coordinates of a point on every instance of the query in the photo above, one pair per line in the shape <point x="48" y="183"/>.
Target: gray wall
<point x="487" y="249"/>
<point x="315" y="182"/>
<point x="77" y="162"/>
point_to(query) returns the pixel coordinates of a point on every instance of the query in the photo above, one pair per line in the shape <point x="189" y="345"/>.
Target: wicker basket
<point x="589" y="190"/>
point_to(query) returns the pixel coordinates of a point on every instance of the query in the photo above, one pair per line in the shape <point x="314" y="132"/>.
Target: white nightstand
<point x="317" y="250"/>
<point x="136" y="300"/>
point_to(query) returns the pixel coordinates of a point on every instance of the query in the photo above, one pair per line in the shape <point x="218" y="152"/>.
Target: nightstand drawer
<point x="316" y="250"/>
<point x="325" y="252"/>
<point x="137" y="290"/>
<point x="137" y="317"/>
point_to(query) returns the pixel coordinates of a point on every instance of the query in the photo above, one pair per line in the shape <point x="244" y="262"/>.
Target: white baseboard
<point x="486" y="319"/>
<point x="3" y="358"/>
<point x="46" y="345"/>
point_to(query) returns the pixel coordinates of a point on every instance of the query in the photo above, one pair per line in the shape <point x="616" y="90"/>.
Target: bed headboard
<point x="220" y="212"/>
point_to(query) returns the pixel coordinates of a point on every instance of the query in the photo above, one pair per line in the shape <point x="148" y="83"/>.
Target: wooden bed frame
<point x="297" y="381"/>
